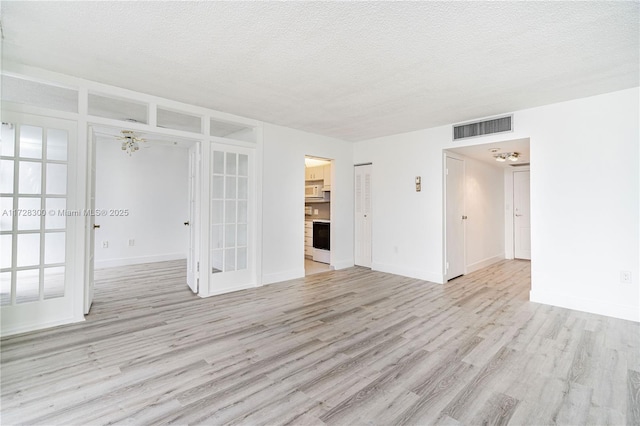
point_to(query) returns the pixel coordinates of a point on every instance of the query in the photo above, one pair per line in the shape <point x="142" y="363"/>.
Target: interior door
<point x="192" y="258"/>
<point x="91" y="225"/>
<point x="233" y="218"/>
<point x="522" y="215"/>
<point x="455" y="225"/>
<point x="363" y="215"/>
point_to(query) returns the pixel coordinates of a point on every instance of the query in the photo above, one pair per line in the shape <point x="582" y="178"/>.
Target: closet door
<point x="363" y="215"/>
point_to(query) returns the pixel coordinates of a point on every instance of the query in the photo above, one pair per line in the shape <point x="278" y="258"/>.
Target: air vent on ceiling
<point x="519" y="164"/>
<point x="486" y="127"/>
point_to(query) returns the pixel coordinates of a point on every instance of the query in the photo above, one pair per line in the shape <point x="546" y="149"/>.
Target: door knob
<point x="186" y="223"/>
<point x="96" y="226"/>
<point x="518" y="215"/>
<point x="464" y="217"/>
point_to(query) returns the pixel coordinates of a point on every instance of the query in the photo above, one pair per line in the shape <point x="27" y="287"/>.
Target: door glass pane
<point x="242" y="212"/>
<point x="230" y="211"/>
<point x="57" y="220"/>
<point x="216" y="261"/>
<point x="243" y="165"/>
<point x="230" y="192"/>
<point x="57" y="144"/>
<point x="243" y="188"/>
<point x="6" y="215"/>
<point x="242" y="235"/>
<point x="27" y="286"/>
<point x="217" y="213"/>
<point x="30" y="142"/>
<point x="217" y="187"/>
<point x="231" y="164"/>
<point x="229" y="236"/>
<point x="216" y="236"/>
<point x="56" y="179"/>
<point x="7" y="143"/>
<point x="30" y="177"/>
<point x="5" y="288"/>
<point x="29" y="217"/>
<point x="5" y="245"/>
<point x="242" y="258"/>
<point x="54" y="247"/>
<point x="6" y="176"/>
<point x="28" y="249"/>
<point x="230" y="260"/>
<point x="218" y="162"/>
<point x="53" y="282"/>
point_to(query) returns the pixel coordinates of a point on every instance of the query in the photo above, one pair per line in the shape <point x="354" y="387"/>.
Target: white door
<point x="233" y="218"/>
<point x="455" y="218"/>
<point x="92" y="226"/>
<point x="363" y="215"/>
<point x="37" y="224"/>
<point x="522" y="215"/>
<point x="192" y="258"/>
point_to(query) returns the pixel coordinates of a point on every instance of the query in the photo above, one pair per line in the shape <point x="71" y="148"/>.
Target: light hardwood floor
<point x="341" y="347"/>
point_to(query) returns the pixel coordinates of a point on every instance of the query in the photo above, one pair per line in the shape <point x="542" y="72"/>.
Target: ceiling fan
<point x="130" y="141"/>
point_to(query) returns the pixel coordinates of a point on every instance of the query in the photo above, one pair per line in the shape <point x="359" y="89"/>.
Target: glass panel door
<point x="231" y="213"/>
<point x="34" y="227"/>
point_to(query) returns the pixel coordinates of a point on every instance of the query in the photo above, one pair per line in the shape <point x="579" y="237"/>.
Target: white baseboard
<point x="282" y="276"/>
<point x="484" y="263"/>
<point x="408" y="272"/>
<point x="110" y="263"/>
<point x="25" y="328"/>
<point x="625" y="312"/>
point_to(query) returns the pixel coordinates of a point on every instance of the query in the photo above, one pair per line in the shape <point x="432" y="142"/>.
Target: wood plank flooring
<point x="336" y="348"/>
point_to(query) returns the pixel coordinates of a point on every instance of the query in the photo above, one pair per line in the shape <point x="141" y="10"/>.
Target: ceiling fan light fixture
<point x="514" y="156"/>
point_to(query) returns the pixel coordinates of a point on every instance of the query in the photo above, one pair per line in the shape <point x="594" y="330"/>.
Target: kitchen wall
<point x="283" y="182"/>
<point x="324" y="211"/>
<point x="584" y="201"/>
<point x="152" y="183"/>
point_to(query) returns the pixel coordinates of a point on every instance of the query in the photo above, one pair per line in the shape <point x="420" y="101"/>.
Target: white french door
<point x="37" y="221"/>
<point x="362" y="209"/>
<point x="90" y="231"/>
<point x="192" y="258"/>
<point x="232" y="218"/>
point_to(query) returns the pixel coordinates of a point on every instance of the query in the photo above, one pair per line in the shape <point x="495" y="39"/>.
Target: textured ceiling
<point x="352" y="70"/>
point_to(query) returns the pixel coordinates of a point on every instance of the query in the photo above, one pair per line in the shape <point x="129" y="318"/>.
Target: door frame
<point x="445" y="277"/>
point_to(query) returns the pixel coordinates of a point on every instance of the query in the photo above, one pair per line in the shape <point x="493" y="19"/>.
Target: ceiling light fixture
<point x="511" y="156"/>
<point x="130" y="141"/>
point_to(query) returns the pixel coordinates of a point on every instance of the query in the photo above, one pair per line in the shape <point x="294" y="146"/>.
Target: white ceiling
<point x="352" y="70"/>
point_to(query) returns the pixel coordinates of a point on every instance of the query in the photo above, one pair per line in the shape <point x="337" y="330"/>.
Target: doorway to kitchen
<point x="317" y="214"/>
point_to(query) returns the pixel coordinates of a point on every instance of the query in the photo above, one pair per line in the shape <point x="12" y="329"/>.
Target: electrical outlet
<point x="315" y="212"/>
<point x="132" y="243"/>
<point x="625" y="277"/>
<point x="105" y="244"/>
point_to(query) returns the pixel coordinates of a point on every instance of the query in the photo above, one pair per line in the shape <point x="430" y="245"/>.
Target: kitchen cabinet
<point x="327" y="177"/>
<point x="308" y="239"/>
<point x="314" y="173"/>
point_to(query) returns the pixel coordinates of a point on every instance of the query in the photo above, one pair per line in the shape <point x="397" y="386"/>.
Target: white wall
<point x="152" y="183"/>
<point x="484" y="207"/>
<point x="584" y="201"/>
<point x="284" y="150"/>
